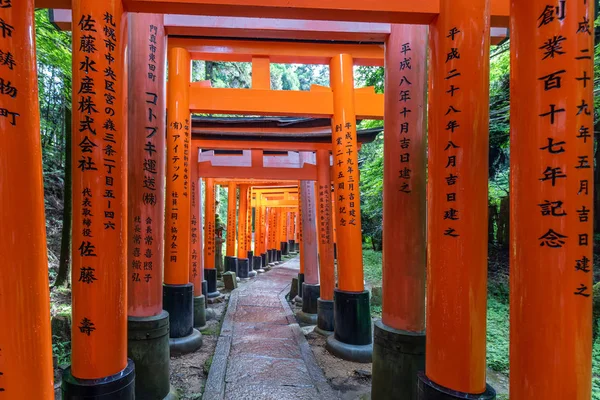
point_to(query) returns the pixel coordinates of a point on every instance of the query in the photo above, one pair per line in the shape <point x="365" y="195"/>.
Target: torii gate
<point x="553" y="47"/>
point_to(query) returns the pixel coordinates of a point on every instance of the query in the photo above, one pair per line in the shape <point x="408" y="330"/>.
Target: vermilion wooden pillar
<point x="552" y="143"/>
<point x="310" y="287"/>
<point x="457" y="206"/>
<point x="196" y="267"/>
<point x="209" y="238"/>
<point x="25" y="337"/>
<point x="325" y="322"/>
<point x="352" y="339"/>
<point x="145" y="203"/>
<point x="249" y="221"/>
<point x="231" y="219"/>
<point x="178" y="291"/>
<point x="242" y="245"/>
<point x="231" y="262"/>
<point x="99" y="271"/>
<point x="404" y="217"/>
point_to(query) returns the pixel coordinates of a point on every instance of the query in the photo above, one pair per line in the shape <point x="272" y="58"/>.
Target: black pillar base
<point x="243" y="268"/>
<point x="178" y="301"/>
<point x="148" y="348"/>
<point x="283" y="248"/>
<point x="250" y="254"/>
<point x="264" y="262"/>
<point x="298" y="298"/>
<point x="256" y="265"/>
<point x="352" y="339"/>
<point x="200" y="312"/>
<point x="231" y="264"/>
<point x="120" y="386"/>
<point x="211" y="287"/>
<point x="325" y="322"/>
<point x="278" y="255"/>
<point x="310" y="295"/>
<point x="291" y="246"/>
<point x="429" y="390"/>
<point x="205" y="290"/>
<point x="273" y="256"/>
<point x="398" y="356"/>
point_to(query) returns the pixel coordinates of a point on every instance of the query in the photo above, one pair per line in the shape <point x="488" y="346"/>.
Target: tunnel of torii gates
<point x="124" y="124"/>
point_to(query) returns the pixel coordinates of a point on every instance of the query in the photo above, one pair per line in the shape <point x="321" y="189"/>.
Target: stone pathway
<point x="261" y="352"/>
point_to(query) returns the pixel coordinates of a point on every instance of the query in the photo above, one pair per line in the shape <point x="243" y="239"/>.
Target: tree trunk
<point x="503" y="222"/>
<point x="492" y="218"/>
<point x="65" y="246"/>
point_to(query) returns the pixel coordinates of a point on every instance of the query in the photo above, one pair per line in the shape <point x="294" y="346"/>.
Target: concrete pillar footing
<point x="429" y="390"/>
<point x="350" y="352"/>
<point x="306" y="318"/>
<point x="199" y="311"/>
<point x="187" y="344"/>
<point x="398" y="356"/>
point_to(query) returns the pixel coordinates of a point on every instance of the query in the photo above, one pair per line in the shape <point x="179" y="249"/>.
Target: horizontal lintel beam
<point x="308" y="172"/>
<point x="319" y="104"/>
<point x="278" y="52"/>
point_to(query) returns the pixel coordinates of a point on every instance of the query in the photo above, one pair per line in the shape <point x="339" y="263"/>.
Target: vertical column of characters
<point x="209" y="223"/>
<point x="324" y="225"/>
<point x="551" y="198"/>
<point x="457" y="193"/>
<point x="177" y="215"/>
<point x="25" y="337"/>
<point x="346" y="175"/>
<point x="249" y="221"/>
<point x="196" y="247"/>
<point x="99" y="270"/>
<point x="404" y="188"/>
<point x="146" y="141"/>
<point x="242" y="237"/>
<point x="231" y="210"/>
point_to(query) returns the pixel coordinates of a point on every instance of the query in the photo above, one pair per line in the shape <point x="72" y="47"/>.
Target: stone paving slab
<point x="261" y="352"/>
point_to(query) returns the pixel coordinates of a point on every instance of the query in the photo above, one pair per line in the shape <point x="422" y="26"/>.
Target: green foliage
<point x="62" y="351"/>
<point x="498" y="327"/>
<point x="372" y="266"/>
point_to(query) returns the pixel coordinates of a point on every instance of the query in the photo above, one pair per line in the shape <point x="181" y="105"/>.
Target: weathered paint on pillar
<point x="196" y="275"/>
<point x="346" y="176"/>
<point x="299" y="224"/>
<point x="209" y="223"/>
<point x="309" y="232"/>
<point x="25" y="337"/>
<point x="99" y="253"/>
<point x="242" y="246"/>
<point x="231" y="211"/>
<point x="324" y="221"/>
<point x="249" y="221"/>
<point x="457" y="192"/>
<point x="259" y="227"/>
<point x="404" y="179"/>
<point x="177" y="214"/>
<point x="146" y="172"/>
<point x="552" y="161"/>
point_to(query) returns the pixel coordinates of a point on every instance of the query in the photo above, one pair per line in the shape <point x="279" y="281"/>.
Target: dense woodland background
<point x="54" y="70"/>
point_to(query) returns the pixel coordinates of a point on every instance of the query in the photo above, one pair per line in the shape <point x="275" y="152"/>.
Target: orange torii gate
<point x="459" y="40"/>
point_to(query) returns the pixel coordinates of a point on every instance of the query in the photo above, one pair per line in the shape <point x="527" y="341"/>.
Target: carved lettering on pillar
<point x="453" y="127"/>
<point x="194" y="228"/>
<point x="9" y="91"/>
<point x="325" y="214"/>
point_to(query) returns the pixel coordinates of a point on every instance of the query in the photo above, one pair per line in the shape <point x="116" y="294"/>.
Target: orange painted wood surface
<point x="457" y="193"/>
<point x="146" y="168"/>
<point x="177" y="213"/>
<point x="325" y="225"/>
<point x="196" y="267"/>
<point x="346" y="176"/>
<point x="552" y="181"/>
<point x="99" y="256"/>
<point x="25" y="337"/>
<point x="404" y="179"/>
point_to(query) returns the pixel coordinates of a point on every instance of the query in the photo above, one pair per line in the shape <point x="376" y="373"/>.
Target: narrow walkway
<point x="261" y="352"/>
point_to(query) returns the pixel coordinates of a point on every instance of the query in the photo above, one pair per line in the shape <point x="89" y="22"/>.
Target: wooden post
<point x="404" y="216"/>
<point x="352" y="339"/>
<point x="209" y="237"/>
<point x="146" y="205"/>
<point x="325" y="322"/>
<point x="231" y="219"/>
<point x="99" y="272"/>
<point x="457" y="206"/>
<point x="146" y="140"/>
<point x="25" y="337"/>
<point x="551" y="199"/>
<point x="242" y="246"/>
